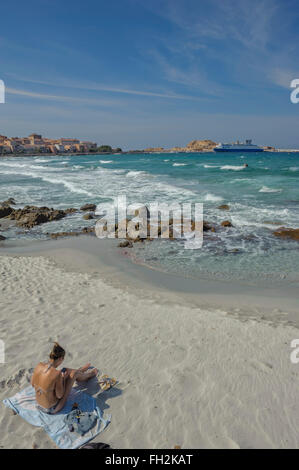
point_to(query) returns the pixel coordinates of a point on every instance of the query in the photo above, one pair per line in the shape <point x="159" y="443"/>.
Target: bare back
<point x="44" y="380"/>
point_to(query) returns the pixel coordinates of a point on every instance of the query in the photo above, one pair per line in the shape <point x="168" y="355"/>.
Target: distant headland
<point x="36" y="144"/>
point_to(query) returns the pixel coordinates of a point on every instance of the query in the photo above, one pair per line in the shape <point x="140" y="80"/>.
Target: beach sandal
<point x="106" y="382"/>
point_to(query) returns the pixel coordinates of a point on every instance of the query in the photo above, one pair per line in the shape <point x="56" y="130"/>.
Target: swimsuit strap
<point x="48" y="367"/>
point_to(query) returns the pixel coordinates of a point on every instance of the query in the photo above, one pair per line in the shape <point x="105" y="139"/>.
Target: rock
<point x="84" y="231"/>
<point x="226" y="223"/>
<point x="9" y="202"/>
<point x="205" y="226"/>
<point x="71" y="210"/>
<point x="283" y="232"/>
<point x="31" y="219"/>
<point x="126" y="244"/>
<point x="201" y="145"/>
<point x="88" y="207"/>
<point x="88" y="230"/>
<point x="224" y="207"/>
<point x="2" y="238"/>
<point x="5" y="211"/>
<point x="30" y="216"/>
<point x="54" y="236"/>
<point x="88" y="216"/>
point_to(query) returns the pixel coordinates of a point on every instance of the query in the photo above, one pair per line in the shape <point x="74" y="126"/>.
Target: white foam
<point x="212" y="198"/>
<point x="180" y="164"/>
<point x="294" y="168"/>
<point x="233" y="167"/>
<point x="106" y="161"/>
<point x="135" y="174"/>
<point x="265" y="189"/>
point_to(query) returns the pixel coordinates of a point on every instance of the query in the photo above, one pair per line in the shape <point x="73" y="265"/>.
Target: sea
<point x="262" y="197"/>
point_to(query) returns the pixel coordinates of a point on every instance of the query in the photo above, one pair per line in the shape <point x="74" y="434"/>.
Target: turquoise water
<point x="262" y="197"/>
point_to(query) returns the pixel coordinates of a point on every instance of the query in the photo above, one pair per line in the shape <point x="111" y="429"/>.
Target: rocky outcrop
<point x="200" y="145"/>
<point x="2" y="238"/>
<point x="30" y="216"/>
<point x="224" y="207"/>
<point x="88" y="207"/>
<point x="154" y="149"/>
<point x="197" y="146"/>
<point x="291" y="233"/>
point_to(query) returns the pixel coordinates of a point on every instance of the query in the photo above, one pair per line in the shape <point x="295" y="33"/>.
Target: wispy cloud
<point x="70" y="99"/>
<point x="91" y="86"/>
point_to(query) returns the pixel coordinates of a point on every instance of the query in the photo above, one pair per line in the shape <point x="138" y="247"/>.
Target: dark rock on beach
<point x="283" y="232"/>
<point x="2" y="238"/>
<point x="125" y="244"/>
<point x="5" y="211"/>
<point x="30" y="216"/>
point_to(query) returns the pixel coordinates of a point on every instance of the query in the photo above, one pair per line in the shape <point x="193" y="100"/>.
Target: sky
<point x="139" y="73"/>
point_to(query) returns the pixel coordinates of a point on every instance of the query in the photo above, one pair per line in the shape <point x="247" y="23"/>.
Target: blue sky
<point x="136" y="73"/>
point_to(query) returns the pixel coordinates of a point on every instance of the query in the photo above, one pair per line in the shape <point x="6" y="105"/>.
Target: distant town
<point x="37" y="144"/>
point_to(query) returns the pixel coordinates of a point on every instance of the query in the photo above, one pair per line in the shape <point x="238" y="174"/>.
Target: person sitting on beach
<point x="52" y="386"/>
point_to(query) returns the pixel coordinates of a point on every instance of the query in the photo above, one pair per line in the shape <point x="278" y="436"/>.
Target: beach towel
<point x="24" y="404"/>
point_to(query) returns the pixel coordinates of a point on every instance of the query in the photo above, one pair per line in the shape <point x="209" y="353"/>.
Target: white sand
<point x="188" y="377"/>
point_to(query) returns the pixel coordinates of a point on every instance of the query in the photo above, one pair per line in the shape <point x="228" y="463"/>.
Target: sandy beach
<point x="191" y="376"/>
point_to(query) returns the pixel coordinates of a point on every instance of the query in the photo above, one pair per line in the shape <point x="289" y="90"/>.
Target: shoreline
<point x="135" y="152"/>
<point x="274" y="302"/>
<point x="216" y="380"/>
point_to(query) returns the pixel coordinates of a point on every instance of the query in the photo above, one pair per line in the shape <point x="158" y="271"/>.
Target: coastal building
<point x="36" y="143"/>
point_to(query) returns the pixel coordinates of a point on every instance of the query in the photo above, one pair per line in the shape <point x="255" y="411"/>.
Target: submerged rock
<point x="54" y="236"/>
<point x="88" y="207"/>
<point x="88" y="216"/>
<point x="224" y="207"/>
<point x="84" y="231"/>
<point x="283" y="232"/>
<point x="226" y="223"/>
<point x="9" y="202"/>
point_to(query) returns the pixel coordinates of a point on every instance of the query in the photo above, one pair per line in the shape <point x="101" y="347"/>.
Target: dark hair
<point x="57" y="352"/>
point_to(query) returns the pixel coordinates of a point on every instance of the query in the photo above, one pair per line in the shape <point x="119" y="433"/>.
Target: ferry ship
<point x="248" y="146"/>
